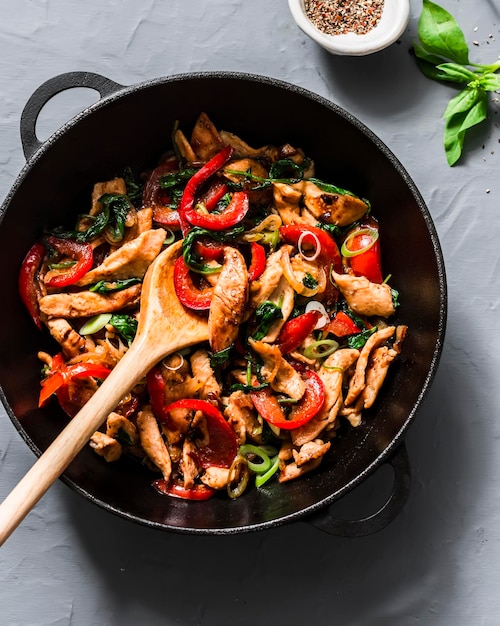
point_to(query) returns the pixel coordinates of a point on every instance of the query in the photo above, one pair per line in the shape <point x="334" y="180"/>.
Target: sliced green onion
<point x="249" y="451"/>
<point x="260" y="479"/>
<point x="320" y="349"/>
<point x="170" y="238"/>
<point x="95" y="324"/>
<point x="372" y="232"/>
<point x="236" y="487"/>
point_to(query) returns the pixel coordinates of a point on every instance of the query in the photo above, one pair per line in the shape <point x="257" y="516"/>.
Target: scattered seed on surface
<point x="338" y="17"/>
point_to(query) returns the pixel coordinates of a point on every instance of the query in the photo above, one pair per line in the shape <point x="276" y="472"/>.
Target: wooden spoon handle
<point x="130" y="369"/>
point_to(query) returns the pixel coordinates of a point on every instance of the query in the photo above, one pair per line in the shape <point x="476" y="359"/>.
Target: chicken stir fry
<point x="285" y="267"/>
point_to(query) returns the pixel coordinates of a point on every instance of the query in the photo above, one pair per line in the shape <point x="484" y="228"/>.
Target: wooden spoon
<point x="165" y="326"/>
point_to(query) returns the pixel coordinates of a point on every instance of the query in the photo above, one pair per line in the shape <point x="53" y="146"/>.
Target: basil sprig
<point x="443" y="55"/>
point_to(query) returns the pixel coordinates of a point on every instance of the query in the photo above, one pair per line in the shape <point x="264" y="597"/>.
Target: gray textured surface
<point x="71" y="563"/>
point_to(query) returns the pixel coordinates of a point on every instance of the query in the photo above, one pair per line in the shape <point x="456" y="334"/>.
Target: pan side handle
<point x="327" y="522"/>
<point x="70" y="80"/>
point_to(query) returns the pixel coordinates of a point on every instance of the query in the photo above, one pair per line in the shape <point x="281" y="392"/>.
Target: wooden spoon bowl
<point x="165" y="326"/>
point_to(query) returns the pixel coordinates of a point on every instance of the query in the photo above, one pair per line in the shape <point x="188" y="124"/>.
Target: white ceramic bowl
<point x="394" y="20"/>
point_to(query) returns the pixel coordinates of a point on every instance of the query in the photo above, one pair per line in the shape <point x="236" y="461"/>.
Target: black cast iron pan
<point x="131" y="126"/>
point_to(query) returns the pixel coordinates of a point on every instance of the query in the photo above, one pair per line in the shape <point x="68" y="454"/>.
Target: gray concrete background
<point x="71" y="563"/>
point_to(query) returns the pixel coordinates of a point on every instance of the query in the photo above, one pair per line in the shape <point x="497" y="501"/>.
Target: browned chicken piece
<point x="107" y="447"/>
<point x="377" y="369"/>
<point x="118" y="426"/>
<point x="229" y="298"/>
<point x="188" y="466"/>
<point x="216" y="477"/>
<point x="291" y="471"/>
<point x="329" y="208"/>
<point x="332" y="374"/>
<point x="358" y="380"/>
<point x="286" y="451"/>
<point x="128" y="261"/>
<point x="262" y="288"/>
<point x="184" y="147"/>
<point x="284" y="295"/>
<point x="205" y="139"/>
<point x="202" y="370"/>
<point x="152" y="442"/>
<point x="288" y="203"/>
<point x="251" y="166"/>
<point x="88" y="303"/>
<point x="241" y="416"/>
<point x="365" y="297"/>
<point x="242" y="149"/>
<point x="71" y="342"/>
<point x="310" y="451"/>
<point x="401" y="331"/>
<point x="277" y="371"/>
<point x="353" y="413"/>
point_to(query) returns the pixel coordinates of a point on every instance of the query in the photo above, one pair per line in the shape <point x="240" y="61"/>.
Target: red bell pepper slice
<point x="189" y="295"/>
<point x="156" y="197"/>
<point x="329" y="253"/>
<point x="61" y="375"/>
<point x="309" y="405"/>
<point x="176" y="489"/>
<point x="186" y="205"/>
<point x="258" y="261"/>
<point x="294" y="331"/>
<point x="27" y="281"/>
<point x="222" y="446"/>
<point x="208" y="249"/>
<point x="156" y="389"/>
<point x="232" y="214"/>
<point x="368" y="263"/>
<point x="214" y="195"/>
<point x="81" y="252"/>
<point x="342" y="325"/>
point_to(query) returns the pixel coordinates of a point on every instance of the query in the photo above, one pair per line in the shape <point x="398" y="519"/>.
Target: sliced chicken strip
<point x="205" y="139"/>
<point x="107" y="447"/>
<point x="332" y="374"/>
<point x="87" y="303"/>
<point x="241" y="416"/>
<point x="229" y="298"/>
<point x="365" y="297"/>
<point x="291" y="471"/>
<point x="71" y="342"/>
<point x="202" y="370"/>
<point x="378" y="366"/>
<point x="128" y="261"/>
<point x="152" y="442"/>
<point x="358" y="382"/>
<point x="310" y="451"/>
<point x="278" y="372"/>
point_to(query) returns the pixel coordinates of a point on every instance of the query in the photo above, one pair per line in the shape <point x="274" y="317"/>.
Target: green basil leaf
<point x="454" y="137"/>
<point x="265" y="315"/>
<point x="477" y="113"/>
<point x="126" y="325"/>
<point x="462" y="102"/>
<point x="440" y="34"/>
<point x="457" y="73"/>
<point x="358" y="340"/>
